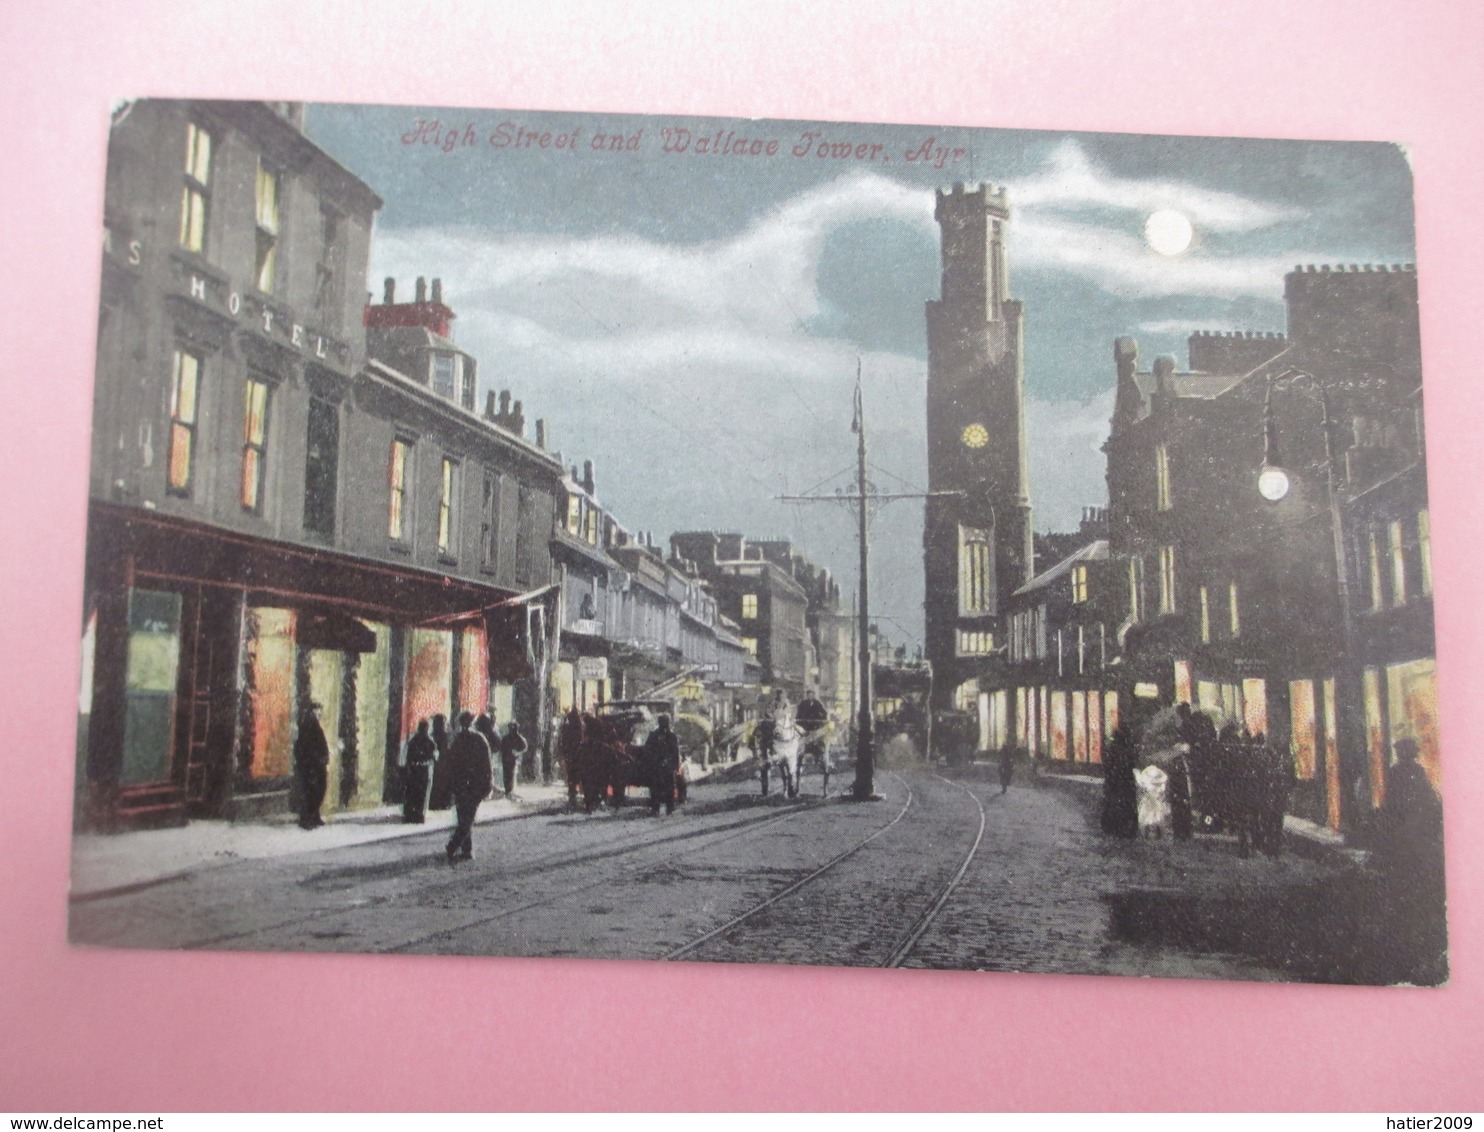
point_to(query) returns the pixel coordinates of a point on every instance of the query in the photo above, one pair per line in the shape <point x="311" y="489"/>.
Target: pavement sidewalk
<point x="108" y="863"/>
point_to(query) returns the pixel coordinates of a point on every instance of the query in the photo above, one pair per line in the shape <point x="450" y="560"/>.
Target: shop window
<point x="196" y="194"/>
<point x="254" y="443"/>
<point x="267" y="230"/>
<point x="149" y="685"/>
<point x="184" y="389"/>
<point x="397" y="514"/>
<point x="749" y="607"/>
<point x="750" y="644"/>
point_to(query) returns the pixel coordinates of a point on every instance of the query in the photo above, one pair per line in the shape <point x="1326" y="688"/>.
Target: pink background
<point x="97" y="1030"/>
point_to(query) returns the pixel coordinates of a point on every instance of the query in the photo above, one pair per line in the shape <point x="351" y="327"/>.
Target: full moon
<point x="1168" y="231"/>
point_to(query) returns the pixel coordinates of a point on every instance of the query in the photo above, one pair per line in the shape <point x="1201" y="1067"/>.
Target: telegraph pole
<point x="865" y="767"/>
<point x="865" y="760"/>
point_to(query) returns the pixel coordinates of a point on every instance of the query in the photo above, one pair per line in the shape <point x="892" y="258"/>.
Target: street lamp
<point x="1273" y="482"/>
<point x="1273" y="485"/>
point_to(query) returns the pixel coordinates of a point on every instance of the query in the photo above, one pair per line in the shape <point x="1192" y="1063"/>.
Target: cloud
<point x="1073" y="182"/>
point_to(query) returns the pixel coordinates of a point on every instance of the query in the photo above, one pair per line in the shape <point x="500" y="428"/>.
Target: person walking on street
<point x="1007" y="767"/>
<point x="569" y="752"/>
<point x="422" y="753"/>
<point x="485" y="725"/>
<point x="1120" y="815"/>
<point x="311" y="766"/>
<point x="470" y="777"/>
<point x="662" y="754"/>
<point x="512" y="746"/>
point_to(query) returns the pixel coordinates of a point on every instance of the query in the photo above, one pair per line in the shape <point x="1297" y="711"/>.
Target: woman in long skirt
<point x="1154" y="805"/>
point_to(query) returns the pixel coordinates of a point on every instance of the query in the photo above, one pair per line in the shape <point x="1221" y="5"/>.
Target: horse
<point x="788" y="752"/>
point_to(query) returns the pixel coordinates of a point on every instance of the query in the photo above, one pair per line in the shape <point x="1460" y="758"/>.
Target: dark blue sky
<point x="691" y="322"/>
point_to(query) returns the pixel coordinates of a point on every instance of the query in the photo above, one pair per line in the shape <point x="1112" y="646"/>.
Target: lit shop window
<point x="1162" y="477"/>
<point x="750" y="644"/>
<point x="267" y="221"/>
<point x="397" y="478"/>
<point x="196" y="194"/>
<point x="1079" y="584"/>
<point x="184" y="386"/>
<point x="254" y="442"/>
<point x="973" y="572"/>
<point x="1167" y="579"/>
<point x="447" y="505"/>
<point x="749" y="607"/>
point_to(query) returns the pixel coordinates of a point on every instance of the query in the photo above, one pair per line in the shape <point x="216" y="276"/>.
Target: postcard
<point x="614" y="536"/>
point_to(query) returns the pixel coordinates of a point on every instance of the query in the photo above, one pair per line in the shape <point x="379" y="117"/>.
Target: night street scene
<point x="534" y="534"/>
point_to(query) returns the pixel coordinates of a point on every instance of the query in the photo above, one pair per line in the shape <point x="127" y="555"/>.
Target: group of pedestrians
<point x="1236" y="780"/>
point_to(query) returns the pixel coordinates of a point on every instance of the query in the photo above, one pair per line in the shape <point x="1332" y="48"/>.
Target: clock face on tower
<point x="975" y="436"/>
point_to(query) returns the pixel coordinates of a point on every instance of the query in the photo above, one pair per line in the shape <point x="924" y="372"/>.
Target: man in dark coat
<point x="1007" y="767"/>
<point x="512" y="746"/>
<point x="569" y="751"/>
<point x="470" y="777"/>
<point x="439" y="797"/>
<point x="1182" y="820"/>
<point x="762" y="740"/>
<point x="1120" y="793"/>
<point x="662" y="753"/>
<point x="422" y="753"/>
<point x="311" y="766"/>
<point x="485" y="725"/>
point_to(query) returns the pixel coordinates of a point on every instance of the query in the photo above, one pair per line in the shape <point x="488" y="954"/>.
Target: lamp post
<point x="1273" y="485"/>
<point x="1273" y="482"/>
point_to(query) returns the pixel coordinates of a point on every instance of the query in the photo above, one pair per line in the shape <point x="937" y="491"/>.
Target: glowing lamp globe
<point x="1272" y="483"/>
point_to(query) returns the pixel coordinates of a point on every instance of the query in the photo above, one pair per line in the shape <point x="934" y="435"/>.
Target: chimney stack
<point x="587" y="476"/>
<point x="421" y="294"/>
<point x="389" y="292"/>
<point x="489" y="406"/>
<point x="438" y="290"/>
<point x="541" y="435"/>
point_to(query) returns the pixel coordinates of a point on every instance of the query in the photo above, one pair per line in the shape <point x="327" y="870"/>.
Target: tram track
<point x="920" y="925"/>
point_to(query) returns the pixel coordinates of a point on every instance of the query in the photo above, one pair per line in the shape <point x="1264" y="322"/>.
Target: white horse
<point x="788" y="751"/>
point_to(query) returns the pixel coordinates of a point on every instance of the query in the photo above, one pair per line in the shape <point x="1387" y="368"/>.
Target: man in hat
<point x="311" y="766"/>
<point x="470" y="777"/>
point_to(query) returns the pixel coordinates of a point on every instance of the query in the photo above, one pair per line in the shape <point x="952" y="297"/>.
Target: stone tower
<point x="977" y="546"/>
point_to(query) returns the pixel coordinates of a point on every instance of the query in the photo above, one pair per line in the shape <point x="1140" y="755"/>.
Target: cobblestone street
<point x="735" y="877"/>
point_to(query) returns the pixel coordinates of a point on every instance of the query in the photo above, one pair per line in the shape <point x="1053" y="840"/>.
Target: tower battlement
<point x="984" y="198"/>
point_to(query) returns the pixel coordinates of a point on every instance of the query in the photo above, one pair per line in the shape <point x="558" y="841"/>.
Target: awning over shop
<point x="336" y="631"/>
